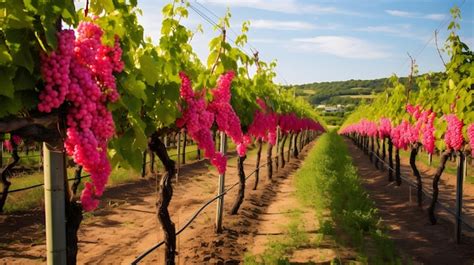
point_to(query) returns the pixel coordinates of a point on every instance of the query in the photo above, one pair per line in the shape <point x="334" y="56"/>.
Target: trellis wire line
<point x="195" y="215"/>
<point x="425" y="192"/>
<point x="39" y="185"/>
<point x="442" y="24"/>
<point x="251" y="47"/>
<point x="69" y="179"/>
<point x="204" y="16"/>
<point x="210" y="21"/>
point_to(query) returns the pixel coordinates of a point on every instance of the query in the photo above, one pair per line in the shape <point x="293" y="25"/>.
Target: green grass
<point x="28" y="199"/>
<point x="33" y="159"/>
<point x="279" y="251"/>
<point x="328" y="181"/>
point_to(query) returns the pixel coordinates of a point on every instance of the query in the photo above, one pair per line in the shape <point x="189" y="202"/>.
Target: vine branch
<point x="220" y="51"/>
<point x="437" y="47"/>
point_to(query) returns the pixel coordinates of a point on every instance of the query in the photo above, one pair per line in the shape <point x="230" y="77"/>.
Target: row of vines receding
<point x="89" y="84"/>
<point x="437" y="118"/>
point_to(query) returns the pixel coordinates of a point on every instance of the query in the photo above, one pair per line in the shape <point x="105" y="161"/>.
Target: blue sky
<point x="329" y="40"/>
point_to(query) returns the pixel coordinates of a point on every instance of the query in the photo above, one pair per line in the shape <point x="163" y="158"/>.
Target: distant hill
<point x="344" y="92"/>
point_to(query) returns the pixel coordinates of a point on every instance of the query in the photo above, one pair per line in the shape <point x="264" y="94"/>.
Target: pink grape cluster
<point x="91" y="85"/>
<point x="404" y="134"/>
<point x="16" y="139"/>
<point x="55" y="72"/>
<point x="198" y="121"/>
<point x="385" y="127"/>
<point x="427" y="129"/>
<point x="453" y="136"/>
<point x="423" y="128"/>
<point x="292" y="123"/>
<point x="198" y="118"/>
<point x="226" y="118"/>
<point x="470" y="134"/>
<point x="8" y="144"/>
<point x="424" y="123"/>
<point x="288" y="123"/>
<point x="264" y="124"/>
<point x="414" y="111"/>
<point x="364" y="127"/>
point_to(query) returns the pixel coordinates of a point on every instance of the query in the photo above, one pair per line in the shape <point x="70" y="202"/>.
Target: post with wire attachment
<point x="459" y="190"/>
<point x="54" y="204"/>
<point x="220" y="201"/>
<point x="277" y="146"/>
<point x="178" y="153"/>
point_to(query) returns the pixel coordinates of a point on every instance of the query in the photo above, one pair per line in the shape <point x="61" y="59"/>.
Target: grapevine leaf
<point x="20" y="20"/>
<point x="212" y="58"/>
<point x="133" y="104"/>
<point x="6" y="84"/>
<point x="17" y="41"/>
<point x="149" y="69"/>
<point x="50" y="34"/>
<point x="99" y="6"/>
<point x="23" y="80"/>
<point x="139" y="131"/>
<point x="166" y="112"/>
<point x="135" y="87"/>
<point x="5" y="56"/>
<point x="168" y="10"/>
<point x="172" y="91"/>
<point x="452" y="86"/>
<point x="9" y="106"/>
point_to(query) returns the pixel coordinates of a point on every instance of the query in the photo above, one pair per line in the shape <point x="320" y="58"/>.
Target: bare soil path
<point x="125" y="224"/>
<point x="280" y="215"/>
<point x="409" y="225"/>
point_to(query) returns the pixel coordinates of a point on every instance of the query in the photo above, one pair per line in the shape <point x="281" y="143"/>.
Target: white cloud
<point x="342" y="46"/>
<point x="401" y="30"/>
<point x="280" y="25"/>
<point x="383" y="29"/>
<point x="438" y="17"/>
<point x="282" y="6"/>
<point x="400" y="13"/>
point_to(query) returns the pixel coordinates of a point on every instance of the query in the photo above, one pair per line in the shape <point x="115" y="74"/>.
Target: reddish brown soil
<point x="125" y="224"/>
<point x="409" y="225"/>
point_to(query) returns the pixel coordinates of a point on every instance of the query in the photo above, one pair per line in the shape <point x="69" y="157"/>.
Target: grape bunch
<point x="81" y="72"/>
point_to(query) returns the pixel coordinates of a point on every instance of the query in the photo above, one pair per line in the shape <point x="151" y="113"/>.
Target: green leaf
<point x="150" y="69"/>
<point x="135" y="87"/>
<point x="50" y="33"/>
<point x="138" y="126"/>
<point x="452" y="86"/>
<point x="460" y="107"/>
<point x="168" y="10"/>
<point x="166" y="112"/>
<point x="6" y="84"/>
<point x="23" y="80"/>
<point x="18" y="19"/>
<point x="17" y="41"/>
<point x="131" y="103"/>
<point x="172" y="91"/>
<point x="98" y="7"/>
<point x="5" y="56"/>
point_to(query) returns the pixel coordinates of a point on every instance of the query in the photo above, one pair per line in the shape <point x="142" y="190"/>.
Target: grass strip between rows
<point x="329" y="183"/>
